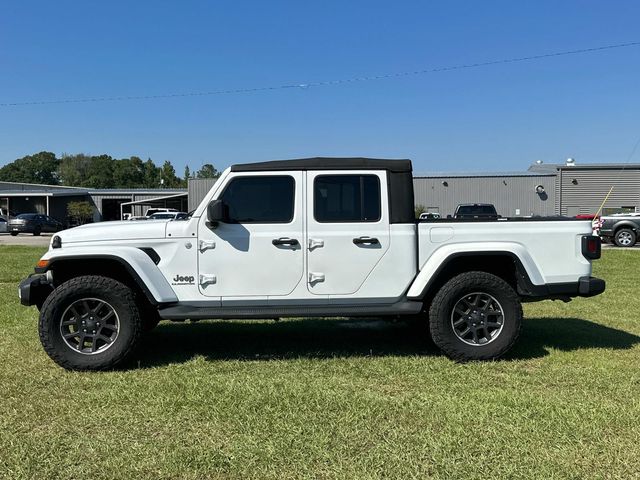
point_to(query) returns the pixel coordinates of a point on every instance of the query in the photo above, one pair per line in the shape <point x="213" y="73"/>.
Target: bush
<point x="80" y="212"/>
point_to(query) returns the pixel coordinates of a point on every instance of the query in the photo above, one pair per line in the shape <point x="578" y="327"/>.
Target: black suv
<point x="35" y="223"/>
<point x="624" y="230"/>
<point x="484" y="211"/>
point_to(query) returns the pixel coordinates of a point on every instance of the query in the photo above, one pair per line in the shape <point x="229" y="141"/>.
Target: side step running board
<point x="184" y="312"/>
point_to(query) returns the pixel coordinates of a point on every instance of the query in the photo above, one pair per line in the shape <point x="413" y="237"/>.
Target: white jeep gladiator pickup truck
<point x="316" y="237"/>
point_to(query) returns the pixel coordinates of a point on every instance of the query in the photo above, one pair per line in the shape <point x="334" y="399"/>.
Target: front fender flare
<point x="138" y="264"/>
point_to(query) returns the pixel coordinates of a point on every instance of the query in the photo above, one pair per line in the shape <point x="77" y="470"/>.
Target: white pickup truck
<point x="315" y="237"/>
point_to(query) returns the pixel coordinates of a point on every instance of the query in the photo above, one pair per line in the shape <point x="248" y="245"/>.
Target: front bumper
<point x="34" y="289"/>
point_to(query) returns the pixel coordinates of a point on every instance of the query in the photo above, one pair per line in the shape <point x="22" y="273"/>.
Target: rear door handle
<point x="285" y="241"/>
<point x="366" y="241"/>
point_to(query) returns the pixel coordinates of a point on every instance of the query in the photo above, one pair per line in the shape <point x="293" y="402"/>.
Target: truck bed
<point x="549" y="248"/>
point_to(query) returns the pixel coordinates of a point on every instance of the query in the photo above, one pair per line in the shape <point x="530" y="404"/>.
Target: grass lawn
<point x="330" y="398"/>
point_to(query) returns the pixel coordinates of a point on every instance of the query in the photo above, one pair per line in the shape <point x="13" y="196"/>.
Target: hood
<point x="107" y="231"/>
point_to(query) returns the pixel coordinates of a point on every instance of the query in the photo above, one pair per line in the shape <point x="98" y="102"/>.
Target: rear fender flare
<point x="440" y="258"/>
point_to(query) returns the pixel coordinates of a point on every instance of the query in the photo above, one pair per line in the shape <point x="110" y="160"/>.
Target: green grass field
<point x="331" y="398"/>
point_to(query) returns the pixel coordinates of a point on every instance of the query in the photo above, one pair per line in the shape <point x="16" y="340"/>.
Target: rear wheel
<point x="625" y="237"/>
<point x="90" y="323"/>
<point x="14" y="234"/>
<point x="475" y="316"/>
<point x="37" y="231"/>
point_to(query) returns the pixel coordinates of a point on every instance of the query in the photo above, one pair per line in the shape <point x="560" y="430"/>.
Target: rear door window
<point x="346" y="198"/>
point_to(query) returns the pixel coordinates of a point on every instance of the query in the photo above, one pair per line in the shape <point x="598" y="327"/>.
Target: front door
<point x="348" y="229"/>
<point x="259" y="252"/>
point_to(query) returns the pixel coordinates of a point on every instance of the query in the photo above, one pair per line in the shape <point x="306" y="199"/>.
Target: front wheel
<point x="475" y="316"/>
<point x="90" y="323"/>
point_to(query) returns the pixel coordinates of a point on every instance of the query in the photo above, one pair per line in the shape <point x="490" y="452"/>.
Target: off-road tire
<point x="117" y="295"/>
<point x="440" y="312"/>
<point x="629" y="235"/>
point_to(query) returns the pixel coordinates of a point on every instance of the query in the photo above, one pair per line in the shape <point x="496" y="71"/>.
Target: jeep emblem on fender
<point x="179" y="279"/>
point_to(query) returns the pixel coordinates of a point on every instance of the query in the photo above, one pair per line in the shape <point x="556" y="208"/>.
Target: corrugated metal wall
<point x="198" y="189"/>
<point x="583" y="191"/>
<point x="97" y="199"/>
<point x="511" y="195"/>
<point x="136" y="210"/>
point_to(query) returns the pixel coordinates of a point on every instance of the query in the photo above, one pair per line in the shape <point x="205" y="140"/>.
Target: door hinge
<point x="315" y="243"/>
<point x="207" y="279"/>
<point x="204" y="245"/>
<point x="316" y="277"/>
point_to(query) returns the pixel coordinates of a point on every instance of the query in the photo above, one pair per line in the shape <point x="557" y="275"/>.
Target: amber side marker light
<point x="42" y="264"/>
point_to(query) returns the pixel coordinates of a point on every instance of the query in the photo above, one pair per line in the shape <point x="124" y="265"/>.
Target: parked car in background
<point x="484" y="211"/>
<point x="622" y="229"/>
<point x="168" y="216"/>
<point x="35" y="223"/>
<point x="3" y="225"/>
<point x="429" y="216"/>
<point x="152" y="211"/>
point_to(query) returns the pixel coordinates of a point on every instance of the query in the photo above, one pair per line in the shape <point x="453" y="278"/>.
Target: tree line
<point x="99" y="171"/>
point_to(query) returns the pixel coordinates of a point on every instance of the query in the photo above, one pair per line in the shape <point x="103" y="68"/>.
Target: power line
<point x="322" y="83"/>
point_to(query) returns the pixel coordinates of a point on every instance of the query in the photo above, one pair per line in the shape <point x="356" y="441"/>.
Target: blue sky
<point x="491" y="118"/>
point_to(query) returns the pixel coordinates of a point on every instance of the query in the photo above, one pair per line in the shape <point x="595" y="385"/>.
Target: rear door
<point x="348" y="229"/>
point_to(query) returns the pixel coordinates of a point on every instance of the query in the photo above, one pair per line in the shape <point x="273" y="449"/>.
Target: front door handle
<point x="365" y="241"/>
<point x="285" y="241"/>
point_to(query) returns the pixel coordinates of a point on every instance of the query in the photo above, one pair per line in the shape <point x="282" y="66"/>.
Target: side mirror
<point x="218" y="212"/>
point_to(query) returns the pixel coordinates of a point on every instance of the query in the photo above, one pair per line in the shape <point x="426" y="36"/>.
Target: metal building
<point x="109" y="204"/>
<point x="545" y="189"/>
<point x="582" y="188"/>
<point x="35" y="198"/>
<point x="513" y="193"/>
<point x="197" y="189"/>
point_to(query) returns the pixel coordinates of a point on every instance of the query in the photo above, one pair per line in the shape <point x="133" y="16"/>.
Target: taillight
<point x="591" y="247"/>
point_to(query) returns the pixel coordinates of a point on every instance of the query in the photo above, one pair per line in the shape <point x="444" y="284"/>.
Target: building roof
<point x="326" y="163"/>
<point x="482" y="174"/>
<point x="553" y="167"/>
<point x="61" y="192"/>
<point x="18" y="186"/>
<point x="138" y="191"/>
<point x="147" y="201"/>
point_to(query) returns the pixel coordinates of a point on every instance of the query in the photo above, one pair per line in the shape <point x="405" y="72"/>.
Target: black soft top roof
<point x="326" y="163"/>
